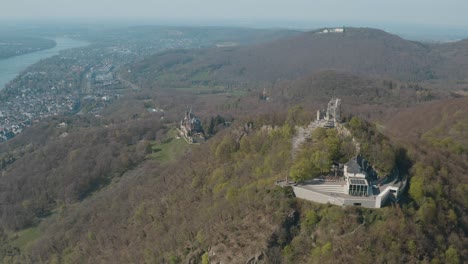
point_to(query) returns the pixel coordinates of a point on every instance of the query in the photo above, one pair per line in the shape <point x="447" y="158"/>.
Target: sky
<point x="421" y="12"/>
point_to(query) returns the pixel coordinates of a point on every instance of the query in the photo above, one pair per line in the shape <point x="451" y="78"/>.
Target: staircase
<point x="325" y="188"/>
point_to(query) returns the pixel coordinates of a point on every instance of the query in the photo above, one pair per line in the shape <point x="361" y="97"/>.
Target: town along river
<point x="11" y="67"/>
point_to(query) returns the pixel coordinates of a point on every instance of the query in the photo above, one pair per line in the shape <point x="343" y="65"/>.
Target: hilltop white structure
<point x="332" y="30"/>
<point x="354" y="187"/>
<point x="354" y="183"/>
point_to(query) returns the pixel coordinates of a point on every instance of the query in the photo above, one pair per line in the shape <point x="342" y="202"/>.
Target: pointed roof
<point x="354" y="165"/>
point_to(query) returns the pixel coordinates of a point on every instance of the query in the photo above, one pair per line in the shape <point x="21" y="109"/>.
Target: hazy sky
<point x="446" y="12"/>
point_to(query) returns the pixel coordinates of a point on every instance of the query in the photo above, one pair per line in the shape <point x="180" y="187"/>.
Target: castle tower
<point x="334" y="110"/>
<point x="337" y="110"/>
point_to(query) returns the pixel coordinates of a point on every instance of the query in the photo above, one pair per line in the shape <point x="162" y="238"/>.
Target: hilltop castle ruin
<point x="330" y="116"/>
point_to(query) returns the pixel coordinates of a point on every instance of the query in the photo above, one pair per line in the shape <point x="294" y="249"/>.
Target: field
<point x="22" y="238"/>
<point x="170" y="148"/>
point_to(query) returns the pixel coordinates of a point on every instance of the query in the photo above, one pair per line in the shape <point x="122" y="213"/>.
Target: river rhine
<point x="11" y="67"/>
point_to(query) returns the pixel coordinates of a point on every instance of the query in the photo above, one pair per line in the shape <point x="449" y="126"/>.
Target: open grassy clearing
<point x="170" y="148"/>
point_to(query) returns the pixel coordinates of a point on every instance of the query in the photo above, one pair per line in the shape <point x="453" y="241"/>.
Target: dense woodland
<point x="121" y="188"/>
<point x="239" y="211"/>
<point x="318" y="155"/>
<point x="67" y="166"/>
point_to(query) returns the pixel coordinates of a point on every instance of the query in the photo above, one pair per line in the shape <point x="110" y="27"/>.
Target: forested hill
<point x="367" y="51"/>
<point x="137" y="204"/>
<point x="121" y="186"/>
<point x="357" y="50"/>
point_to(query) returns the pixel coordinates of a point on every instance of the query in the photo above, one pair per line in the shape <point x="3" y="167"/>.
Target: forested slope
<point x="361" y="51"/>
<point x="219" y="202"/>
<point x="121" y="188"/>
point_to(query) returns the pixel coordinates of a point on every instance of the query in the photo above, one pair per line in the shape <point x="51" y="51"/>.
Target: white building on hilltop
<point x="332" y="30"/>
<point x="353" y="188"/>
<point x="355" y="176"/>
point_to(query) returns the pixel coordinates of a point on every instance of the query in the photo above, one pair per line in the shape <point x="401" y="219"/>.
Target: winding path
<point x="302" y="134"/>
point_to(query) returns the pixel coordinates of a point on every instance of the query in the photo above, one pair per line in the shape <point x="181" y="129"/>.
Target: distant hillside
<point x="357" y="50"/>
<point x="452" y="60"/>
<point x="205" y="36"/>
<point x="367" y="51"/>
<point x="358" y="89"/>
<point x="369" y="97"/>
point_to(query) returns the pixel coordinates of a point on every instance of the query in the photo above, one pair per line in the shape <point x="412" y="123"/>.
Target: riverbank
<point x="13" y="66"/>
<point x="12" y="46"/>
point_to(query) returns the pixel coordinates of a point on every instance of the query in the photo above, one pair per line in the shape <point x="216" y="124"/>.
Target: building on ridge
<point x="191" y="128"/>
<point x="330" y="116"/>
<point x="264" y="95"/>
<point x="356" y="176"/>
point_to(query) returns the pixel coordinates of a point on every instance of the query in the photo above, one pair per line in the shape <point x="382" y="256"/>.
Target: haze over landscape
<point x="427" y="20"/>
<point x="451" y="12"/>
<point x="242" y="131"/>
